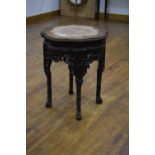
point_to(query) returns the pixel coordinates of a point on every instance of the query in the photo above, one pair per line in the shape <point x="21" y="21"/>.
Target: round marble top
<point x="74" y="31"/>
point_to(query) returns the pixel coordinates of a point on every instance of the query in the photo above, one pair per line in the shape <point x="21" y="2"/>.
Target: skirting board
<point x="48" y="15"/>
<point x="37" y="18"/>
<point x="115" y="17"/>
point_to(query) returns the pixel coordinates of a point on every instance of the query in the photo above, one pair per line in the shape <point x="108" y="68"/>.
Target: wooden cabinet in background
<point x="82" y="8"/>
<point x="78" y="8"/>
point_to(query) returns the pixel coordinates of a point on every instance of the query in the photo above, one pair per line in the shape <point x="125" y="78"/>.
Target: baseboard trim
<point x="38" y="18"/>
<point x="115" y="17"/>
<point x="48" y="15"/>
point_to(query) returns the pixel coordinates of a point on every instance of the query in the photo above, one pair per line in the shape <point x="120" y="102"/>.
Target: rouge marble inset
<point x="74" y="31"/>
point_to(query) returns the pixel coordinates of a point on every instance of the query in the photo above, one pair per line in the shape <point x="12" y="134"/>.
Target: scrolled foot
<point x="99" y="100"/>
<point x="78" y="117"/>
<point x="48" y="104"/>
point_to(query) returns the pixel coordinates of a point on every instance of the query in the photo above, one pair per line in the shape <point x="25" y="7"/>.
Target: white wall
<point x="116" y="6"/>
<point x="35" y="7"/>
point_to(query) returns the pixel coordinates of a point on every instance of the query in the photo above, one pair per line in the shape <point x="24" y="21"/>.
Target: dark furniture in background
<point x="105" y="9"/>
<point x="77" y="54"/>
<point x="78" y="8"/>
<point x="97" y="4"/>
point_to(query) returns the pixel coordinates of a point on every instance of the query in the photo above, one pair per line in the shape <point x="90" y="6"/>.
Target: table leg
<point x="79" y="82"/>
<point x="98" y="9"/>
<point x="100" y="70"/>
<point x="49" y="89"/>
<point x="105" y="9"/>
<point x="47" y="65"/>
<point x="70" y="82"/>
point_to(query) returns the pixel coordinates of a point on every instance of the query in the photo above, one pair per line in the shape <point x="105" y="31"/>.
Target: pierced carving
<point x="78" y="60"/>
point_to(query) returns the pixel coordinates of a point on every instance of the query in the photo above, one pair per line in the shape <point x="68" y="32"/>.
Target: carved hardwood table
<point x="78" y="46"/>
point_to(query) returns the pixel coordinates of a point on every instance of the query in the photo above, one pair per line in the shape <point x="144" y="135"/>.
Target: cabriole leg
<point x="70" y="82"/>
<point x="99" y="79"/>
<point x="79" y="82"/>
<point x="47" y="65"/>
<point x="49" y="83"/>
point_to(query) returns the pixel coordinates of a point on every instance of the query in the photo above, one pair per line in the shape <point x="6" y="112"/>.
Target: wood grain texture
<point x="104" y="128"/>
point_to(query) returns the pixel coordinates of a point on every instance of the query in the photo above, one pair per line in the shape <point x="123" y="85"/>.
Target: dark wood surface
<point x="104" y="128"/>
<point x="78" y="54"/>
